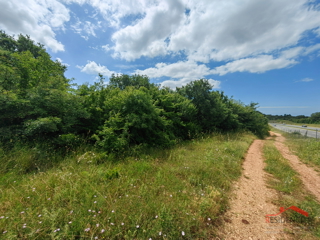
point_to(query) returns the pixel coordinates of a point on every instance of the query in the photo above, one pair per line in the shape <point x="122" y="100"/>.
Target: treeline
<point x="314" y="118"/>
<point x="38" y="103"/>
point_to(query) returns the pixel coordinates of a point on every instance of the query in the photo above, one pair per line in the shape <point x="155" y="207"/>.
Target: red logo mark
<point x="282" y="209"/>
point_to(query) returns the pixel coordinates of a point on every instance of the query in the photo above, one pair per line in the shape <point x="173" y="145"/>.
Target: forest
<point x="38" y="104"/>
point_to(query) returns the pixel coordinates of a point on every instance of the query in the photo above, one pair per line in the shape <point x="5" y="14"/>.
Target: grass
<point x="307" y="149"/>
<point x="292" y="193"/>
<point x="162" y="194"/>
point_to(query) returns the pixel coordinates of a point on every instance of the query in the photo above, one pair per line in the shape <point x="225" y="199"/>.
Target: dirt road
<point x="252" y="199"/>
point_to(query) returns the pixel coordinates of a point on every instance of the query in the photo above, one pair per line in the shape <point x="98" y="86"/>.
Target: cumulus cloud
<point x="147" y="37"/>
<point x="93" y="68"/>
<point x="35" y="18"/>
<point x="258" y="64"/>
<point x="60" y="61"/>
<point x="180" y="73"/>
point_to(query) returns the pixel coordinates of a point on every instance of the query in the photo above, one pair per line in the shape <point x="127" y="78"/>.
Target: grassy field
<point x="177" y="193"/>
<point x="292" y="193"/>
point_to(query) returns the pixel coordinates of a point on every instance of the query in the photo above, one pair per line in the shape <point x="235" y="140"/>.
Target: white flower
<point x="70" y="222"/>
<point x="39" y="215"/>
<point x="137" y="226"/>
<point x="182" y="233"/>
<point x="87" y="230"/>
<point x="122" y="224"/>
<point x="97" y="224"/>
<point x="160" y="233"/>
<point x="156" y="216"/>
<point x="96" y="237"/>
<point x="5" y="232"/>
<point x="209" y="219"/>
<point x="112" y="224"/>
<point x="102" y="231"/>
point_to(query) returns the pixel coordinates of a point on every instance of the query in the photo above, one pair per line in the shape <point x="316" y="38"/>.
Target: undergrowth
<point x="176" y="193"/>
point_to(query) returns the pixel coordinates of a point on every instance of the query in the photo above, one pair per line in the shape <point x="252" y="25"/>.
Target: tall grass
<point x="291" y="192"/>
<point x="176" y="193"/>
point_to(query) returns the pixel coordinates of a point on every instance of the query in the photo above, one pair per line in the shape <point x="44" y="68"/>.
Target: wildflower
<point x="40" y="222"/>
<point x="150" y="238"/>
<point x="70" y="222"/>
<point x="170" y="195"/>
<point x="112" y="224"/>
<point x="71" y="211"/>
<point x="89" y="210"/>
<point x="182" y="233"/>
<point x="102" y="231"/>
<point x="4" y="232"/>
<point x="1" y="217"/>
<point x="57" y="230"/>
<point x="156" y="216"/>
<point x="87" y="230"/>
<point x="95" y="202"/>
<point x="160" y="233"/>
<point x="112" y="211"/>
<point x="22" y="212"/>
<point x="28" y="197"/>
<point x="94" y="215"/>
<point x="99" y="212"/>
<point x="97" y="224"/>
<point x="93" y="211"/>
<point x="96" y="237"/>
<point x="95" y="196"/>
<point x="49" y="199"/>
<point x="39" y="215"/>
<point x="209" y="219"/>
<point x="122" y="224"/>
<point x="137" y="226"/>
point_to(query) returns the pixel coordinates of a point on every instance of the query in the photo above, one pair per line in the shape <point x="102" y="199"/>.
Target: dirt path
<point x="252" y="202"/>
<point x="308" y="175"/>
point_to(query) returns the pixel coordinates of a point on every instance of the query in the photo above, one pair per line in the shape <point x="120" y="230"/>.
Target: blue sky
<point x="260" y="51"/>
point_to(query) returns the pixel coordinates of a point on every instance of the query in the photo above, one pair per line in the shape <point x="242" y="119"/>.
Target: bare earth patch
<point x="252" y="202"/>
<point x="308" y="175"/>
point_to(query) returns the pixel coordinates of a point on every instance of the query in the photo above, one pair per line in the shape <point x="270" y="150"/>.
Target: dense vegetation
<point x="38" y="103"/>
<point x="313" y="119"/>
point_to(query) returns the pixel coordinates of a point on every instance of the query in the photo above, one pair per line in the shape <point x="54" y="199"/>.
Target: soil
<point x="252" y="199"/>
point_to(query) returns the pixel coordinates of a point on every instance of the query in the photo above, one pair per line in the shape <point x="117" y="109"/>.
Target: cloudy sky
<point x="264" y="51"/>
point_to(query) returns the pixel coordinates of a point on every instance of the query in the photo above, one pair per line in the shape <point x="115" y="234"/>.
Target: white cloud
<point x="180" y="73"/>
<point x="258" y="64"/>
<point x="35" y="18"/>
<point x="60" y="61"/>
<point x="173" y="84"/>
<point x="233" y="30"/>
<point x="93" y="68"/>
<point x="85" y="29"/>
<point x="147" y="36"/>
<point x="306" y="80"/>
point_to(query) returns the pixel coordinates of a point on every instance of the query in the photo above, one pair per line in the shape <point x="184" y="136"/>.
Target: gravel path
<point x="252" y="202"/>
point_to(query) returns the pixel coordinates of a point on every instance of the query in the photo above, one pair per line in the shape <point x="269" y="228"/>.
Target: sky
<point x="267" y="52"/>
